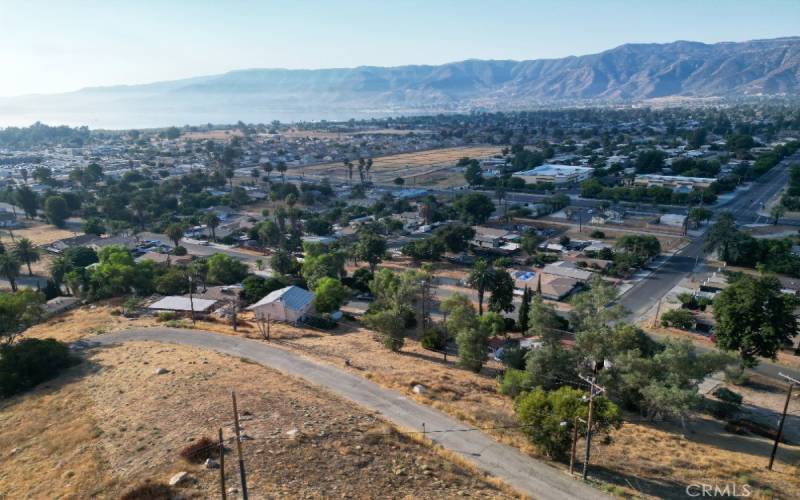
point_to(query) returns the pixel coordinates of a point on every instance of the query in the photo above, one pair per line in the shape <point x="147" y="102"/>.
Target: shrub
<point x="166" y="316"/>
<point x="179" y="251"/>
<point x="735" y="374"/>
<point x="678" y="318"/>
<point x="727" y="395"/>
<point x="322" y="322"/>
<point x="515" y="382"/>
<point x="434" y="338"/>
<point x="514" y="357"/>
<point x="198" y="451"/>
<point x="30" y="362"/>
<point x="597" y="234"/>
<point x="149" y="491"/>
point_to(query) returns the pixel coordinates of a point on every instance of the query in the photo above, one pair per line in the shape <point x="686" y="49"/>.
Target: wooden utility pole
<point x="792" y="381"/>
<point x="234" y="304"/>
<point x="658" y="310"/>
<point x="222" y="466"/>
<point x="191" y="298"/>
<point x="242" y="474"/>
<point x="592" y="388"/>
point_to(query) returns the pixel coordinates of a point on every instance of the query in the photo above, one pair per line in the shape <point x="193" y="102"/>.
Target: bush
<point x="166" y="316"/>
<point x="179" y="251"/>
<point x="735" y="374"/>
<point x="30" y="362"/>
<point x="434" y="338"/>
<point x="727" y="395"/>
<point x="515" y="382"/>
<point x="721" y="409"/>
<point x="514" y="357"/>
<point x="149" y="491"/>
<point x="597" y="234"/>
<point x="678" y="318"/>
<point x="322" y="322"/>
<point x="198" y="451"/>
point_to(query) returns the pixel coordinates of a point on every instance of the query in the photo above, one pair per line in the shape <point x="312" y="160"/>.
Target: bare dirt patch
<point x="39" y="234"/>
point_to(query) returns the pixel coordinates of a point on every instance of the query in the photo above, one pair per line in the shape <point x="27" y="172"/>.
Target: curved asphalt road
<point x="522" y="472"/>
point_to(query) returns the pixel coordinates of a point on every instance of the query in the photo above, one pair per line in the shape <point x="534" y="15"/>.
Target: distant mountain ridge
<point x="630" y="72"/>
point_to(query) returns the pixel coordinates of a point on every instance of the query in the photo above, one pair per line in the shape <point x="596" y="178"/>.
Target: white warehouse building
<point x="555" y="174"/>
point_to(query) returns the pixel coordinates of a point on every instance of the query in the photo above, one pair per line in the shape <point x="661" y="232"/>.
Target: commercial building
<point x="555" y="174"/>
<point x="673" y="181"/>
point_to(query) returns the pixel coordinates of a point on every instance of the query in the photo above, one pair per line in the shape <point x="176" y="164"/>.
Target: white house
<point x="289" y="304"/>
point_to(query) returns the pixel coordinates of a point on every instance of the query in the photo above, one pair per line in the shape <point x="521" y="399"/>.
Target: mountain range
<point x="631" y="72"/>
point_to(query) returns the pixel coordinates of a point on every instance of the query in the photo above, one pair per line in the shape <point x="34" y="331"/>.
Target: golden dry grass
<point x="39" y="234"/>
<point x="112" y="423"/>
<point x="643" y="459"/>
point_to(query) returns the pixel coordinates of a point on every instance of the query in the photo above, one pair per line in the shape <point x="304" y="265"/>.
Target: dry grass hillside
<point x="112" y="423"/>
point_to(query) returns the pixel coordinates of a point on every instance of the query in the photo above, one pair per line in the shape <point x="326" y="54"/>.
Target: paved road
<point x="527" y="475"/>
<point x="645" y="294"/>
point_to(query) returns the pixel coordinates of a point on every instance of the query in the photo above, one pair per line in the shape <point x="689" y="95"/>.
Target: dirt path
<point x="527" y="475"/>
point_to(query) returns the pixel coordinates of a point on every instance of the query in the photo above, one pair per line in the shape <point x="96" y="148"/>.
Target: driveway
<point x="522" y="472"/>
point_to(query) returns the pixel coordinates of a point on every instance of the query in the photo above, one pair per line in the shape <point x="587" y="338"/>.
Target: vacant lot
<point x="39" y="234"/>
<point x="422" y="168"/>
<point x="112" y="423"/>
<point x="650" y="459"/>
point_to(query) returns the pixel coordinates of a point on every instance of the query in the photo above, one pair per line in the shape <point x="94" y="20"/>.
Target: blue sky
<point x="62" y="45"/>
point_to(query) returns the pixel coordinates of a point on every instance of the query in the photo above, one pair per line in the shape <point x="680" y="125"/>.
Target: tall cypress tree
<point x="524" y="309"/>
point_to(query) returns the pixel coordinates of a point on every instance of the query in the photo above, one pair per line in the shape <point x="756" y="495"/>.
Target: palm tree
<point x="9" y="267"/>
<point x="174" y="232"/>
<point x="59" y="267"/>
<point x="349" y="165"/>
<point x="481" y="278"/>
<point x="368" y="167"/>
<point x="27" y="253"/>
<point x="282" y="169"/>
<point x="212" y="221"/>
<point x="267" y="167"/>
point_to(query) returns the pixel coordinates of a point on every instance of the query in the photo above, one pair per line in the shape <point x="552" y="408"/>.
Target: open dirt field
<point x="39" y="234"/>
<point x="423" y="168"/>
<point x="111" y="423"/>
<point x="212" y="134"/>
<point x="669" y="242"/>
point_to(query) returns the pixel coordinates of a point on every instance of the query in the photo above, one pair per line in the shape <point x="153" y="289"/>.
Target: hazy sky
<point x="62" y="45"/>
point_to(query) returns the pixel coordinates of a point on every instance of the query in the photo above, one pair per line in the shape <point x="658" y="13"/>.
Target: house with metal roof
<point x="290" y="304"/>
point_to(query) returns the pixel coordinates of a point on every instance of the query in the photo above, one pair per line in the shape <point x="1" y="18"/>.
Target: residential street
<point x="530" y="476"/>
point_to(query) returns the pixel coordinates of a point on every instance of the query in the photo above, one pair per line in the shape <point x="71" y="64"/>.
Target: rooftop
<point x="556" y="170"/>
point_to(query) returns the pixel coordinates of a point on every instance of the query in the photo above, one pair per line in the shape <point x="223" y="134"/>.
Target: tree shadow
<point x="663" y="488"/>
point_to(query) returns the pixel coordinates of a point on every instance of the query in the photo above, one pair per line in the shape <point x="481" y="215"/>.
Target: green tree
<point x="754" y="318"/>
<point x="9" y="268"/>
<point x="94" y="226"/>
<point x="283" y="263"/>
<point x="56" y="210"/>
<point x="225" y="270"/>
<point x="390" y="325"/>
<point x="551" y="365"/>
<point x="28" y="200"/>
<point x="481" y="278"/>
<point x="721" y="234"/>
<point x="474" y="208"/>
<point x="26" y="252"/>
<point x="329" y="295"/>
<point x="776" y="212"/>
<point x="541" y="413"/>
<point x="525" y="309"/>
<point x="18" y="311"/>
<point x="212" y="222"/>
<point x="320" y="262"/>
<point x="473" y="174"/>
<point x="456" y="237"/>
<point x="502" y="298"/>
<point x="370" y="248"/>
<point x="174" y="232"/>
<point x="700" y="214"/>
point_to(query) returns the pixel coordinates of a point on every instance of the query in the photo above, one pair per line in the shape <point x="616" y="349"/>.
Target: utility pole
<point x="242" y="475"/>
<point x="191" y="298"/>
<point x="792" y="381"/>
<point x="658" y="310"/>
<point x="592" y="388"/>
<point x="222" y="466"/>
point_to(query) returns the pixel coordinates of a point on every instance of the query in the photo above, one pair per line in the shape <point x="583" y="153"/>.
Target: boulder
<point x="160" y="371"/>
<point x="179" y="478"/>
